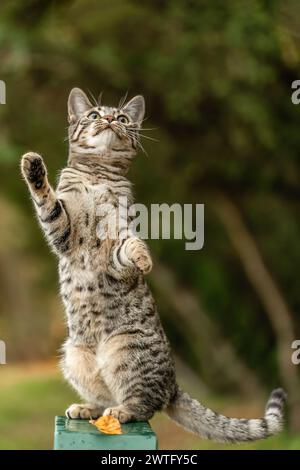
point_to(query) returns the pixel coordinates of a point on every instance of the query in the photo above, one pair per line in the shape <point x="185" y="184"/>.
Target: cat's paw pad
<point x="120" y="413"/>
<point x="77" y="411"/>
<point x="33" y="169"/>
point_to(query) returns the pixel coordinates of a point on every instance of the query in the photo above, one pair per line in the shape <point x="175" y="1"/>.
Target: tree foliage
<point x="217" y="81"/>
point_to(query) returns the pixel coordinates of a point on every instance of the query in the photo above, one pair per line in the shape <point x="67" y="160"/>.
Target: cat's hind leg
<point x="137" y="370"/>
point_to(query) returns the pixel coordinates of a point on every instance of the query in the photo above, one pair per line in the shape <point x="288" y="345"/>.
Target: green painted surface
<point x="80" y="434"/>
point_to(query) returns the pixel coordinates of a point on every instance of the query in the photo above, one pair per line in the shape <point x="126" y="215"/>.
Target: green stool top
<point x="79" y="434"/>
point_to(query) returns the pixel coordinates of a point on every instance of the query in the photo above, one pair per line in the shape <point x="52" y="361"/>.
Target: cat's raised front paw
<point x="33" y="169"/>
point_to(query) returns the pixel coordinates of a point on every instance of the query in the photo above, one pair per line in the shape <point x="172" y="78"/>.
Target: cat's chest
<point x="99" y="195"/>
<point x="90" y="205"/>
<point x="107" y="204"/>
<point x="100" y="192"/>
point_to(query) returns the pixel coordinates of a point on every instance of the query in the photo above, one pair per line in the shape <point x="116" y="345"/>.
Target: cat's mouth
<point x="105" y="137"/>
<point x="112" y="130"/>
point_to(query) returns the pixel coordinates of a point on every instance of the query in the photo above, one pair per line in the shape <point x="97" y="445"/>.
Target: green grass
<point x="29" y="402"/>
<point x="27" y="411"/>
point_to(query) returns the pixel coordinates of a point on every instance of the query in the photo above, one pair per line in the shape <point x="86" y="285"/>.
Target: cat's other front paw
<point x="33" y="169"/>
<point x="85" y="411"/>
<point x="120" y="413"/>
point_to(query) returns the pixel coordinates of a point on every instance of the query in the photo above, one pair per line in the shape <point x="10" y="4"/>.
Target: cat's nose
<point x="109" y="118"/>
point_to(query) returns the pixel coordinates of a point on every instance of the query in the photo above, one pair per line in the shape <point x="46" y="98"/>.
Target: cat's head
<point x="101" y="130"/>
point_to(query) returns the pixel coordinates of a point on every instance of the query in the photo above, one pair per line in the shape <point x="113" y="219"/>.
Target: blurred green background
<point x="217" y="78"/>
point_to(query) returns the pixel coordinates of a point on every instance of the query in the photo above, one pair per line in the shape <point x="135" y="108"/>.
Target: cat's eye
<point x="122" y="119"/>
<point x="93" y="115"/>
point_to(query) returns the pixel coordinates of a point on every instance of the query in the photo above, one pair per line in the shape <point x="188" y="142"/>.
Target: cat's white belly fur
<point x="80" y="368"/>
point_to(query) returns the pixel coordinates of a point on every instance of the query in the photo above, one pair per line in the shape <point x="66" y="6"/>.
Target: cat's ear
<point x="78" y="103"/>
<point x="135" y="108"/>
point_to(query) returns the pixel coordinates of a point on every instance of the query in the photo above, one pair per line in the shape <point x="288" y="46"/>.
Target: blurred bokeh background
<point x="217" y="78"/>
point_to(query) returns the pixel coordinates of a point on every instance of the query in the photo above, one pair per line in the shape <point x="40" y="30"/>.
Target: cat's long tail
<point x="196" y="418"/>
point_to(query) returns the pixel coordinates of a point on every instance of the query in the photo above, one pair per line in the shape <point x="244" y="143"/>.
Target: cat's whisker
<point x="99" y="100"/>
<point x="142" y="148"/>
<point x="147" y="137"/>
<point x="139" y="145"/>
<point x="93" y="99"/>
<point x="122" y="101"/>
<point x="143" y="128"/>
<point x="133" y="131"/>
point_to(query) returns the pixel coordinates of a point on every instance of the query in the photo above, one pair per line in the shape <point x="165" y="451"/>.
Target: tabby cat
<point x="116" y="356"/>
